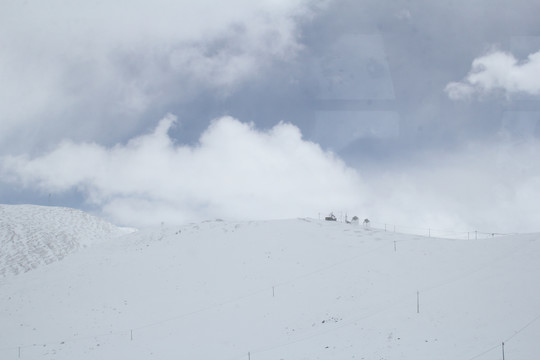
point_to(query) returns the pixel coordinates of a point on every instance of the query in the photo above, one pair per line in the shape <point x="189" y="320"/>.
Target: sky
<point x="414" y="112"/>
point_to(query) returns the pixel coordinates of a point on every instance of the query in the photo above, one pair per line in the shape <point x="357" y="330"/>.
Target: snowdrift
<point x="31" y="236"/>
<point x="291" y="289"/>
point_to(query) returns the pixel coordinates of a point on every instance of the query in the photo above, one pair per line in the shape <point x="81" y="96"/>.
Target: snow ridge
<point x="32" y="236"/>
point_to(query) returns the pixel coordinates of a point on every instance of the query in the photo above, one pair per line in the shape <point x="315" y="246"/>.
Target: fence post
<point x="503" y="350"/>
<point x="418" y="302"/>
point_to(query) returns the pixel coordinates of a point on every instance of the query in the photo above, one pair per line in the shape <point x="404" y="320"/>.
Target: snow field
<point x="290" y="289"/>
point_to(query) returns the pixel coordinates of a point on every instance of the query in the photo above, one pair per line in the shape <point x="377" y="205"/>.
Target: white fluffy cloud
<point x="71" y="69"/>
<point x="238" y="171"/>
<point x="234" y="171"/>
<point x="499" y="72"/>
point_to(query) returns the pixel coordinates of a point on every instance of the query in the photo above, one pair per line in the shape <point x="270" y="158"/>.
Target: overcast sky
<point x="416" y="112"/>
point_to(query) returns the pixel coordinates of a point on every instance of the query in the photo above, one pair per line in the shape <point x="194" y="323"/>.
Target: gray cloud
<point x="72" y="71"/>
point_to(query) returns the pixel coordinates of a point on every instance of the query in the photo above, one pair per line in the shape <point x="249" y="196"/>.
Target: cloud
<point x="81" y="68"/>
<point x="234" y="171"/>
<point x="487" y="186"/>
<point x="237" y="171"/>
<point x="499" y="72"/>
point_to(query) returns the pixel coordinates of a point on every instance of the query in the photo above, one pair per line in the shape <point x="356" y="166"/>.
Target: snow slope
<point x="31" y="236"/>
<point x="292" y="289"/>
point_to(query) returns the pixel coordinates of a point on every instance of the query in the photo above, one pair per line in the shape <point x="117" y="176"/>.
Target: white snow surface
<point x="287" y="289"/>
<point x="31" y="236"/>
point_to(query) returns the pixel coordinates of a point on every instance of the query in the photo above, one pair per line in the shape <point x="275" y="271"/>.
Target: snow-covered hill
<point x="31" y="236"/>
<point x="294" y="289"/>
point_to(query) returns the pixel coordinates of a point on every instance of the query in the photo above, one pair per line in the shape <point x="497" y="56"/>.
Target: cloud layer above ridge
<point x="237" y="171"/>
<point x="234" y="171"/>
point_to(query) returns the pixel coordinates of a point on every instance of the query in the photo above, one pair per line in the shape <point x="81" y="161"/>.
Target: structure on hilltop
<point x="330" y="217"/>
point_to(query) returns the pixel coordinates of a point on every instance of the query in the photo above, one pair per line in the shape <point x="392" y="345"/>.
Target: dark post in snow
<point x="273" y="291"/>
<point x="418" y="302"/>
<point x="249" y="356"/>
<point x="503" y="350"/>
<point x="131" y="335"/>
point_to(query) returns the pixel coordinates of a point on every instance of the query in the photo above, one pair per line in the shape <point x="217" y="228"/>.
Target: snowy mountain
<point x="31" y="236"/>
<point x="290" y="289"/>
